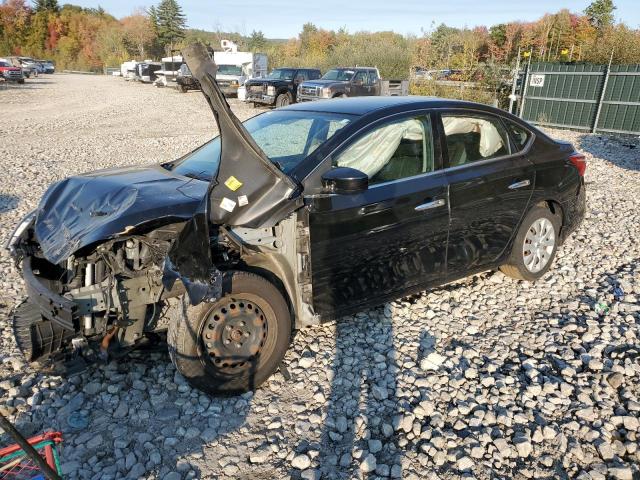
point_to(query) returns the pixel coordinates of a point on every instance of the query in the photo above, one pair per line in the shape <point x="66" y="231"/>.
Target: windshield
<point x="282" y="74"/>
<point x="230" y="70"/>
<point x="286" y="137"/>
<point x="338" y="74"/>
<point x="4" y="64"/>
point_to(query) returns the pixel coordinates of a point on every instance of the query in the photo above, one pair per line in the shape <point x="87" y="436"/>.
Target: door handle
<point x="523" y="183"/>
<point x="429" y="205"/>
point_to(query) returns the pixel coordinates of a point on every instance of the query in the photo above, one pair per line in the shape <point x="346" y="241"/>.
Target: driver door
<point x="389" y="240"/>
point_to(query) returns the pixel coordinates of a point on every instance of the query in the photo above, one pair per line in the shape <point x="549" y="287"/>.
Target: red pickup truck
<point x="11" y="73"/>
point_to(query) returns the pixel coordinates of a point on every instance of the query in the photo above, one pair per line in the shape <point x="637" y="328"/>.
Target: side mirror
<point x="345" y="180"/>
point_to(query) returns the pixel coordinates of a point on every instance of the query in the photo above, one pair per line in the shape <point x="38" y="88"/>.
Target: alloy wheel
<point x="539" y="243"/>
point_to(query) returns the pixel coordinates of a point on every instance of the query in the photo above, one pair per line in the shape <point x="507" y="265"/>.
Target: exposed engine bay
<point x="105" y="299"/>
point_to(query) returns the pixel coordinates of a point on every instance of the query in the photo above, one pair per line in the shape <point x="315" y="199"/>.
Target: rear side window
<point x="520" y="135"/>
<point x="471" y="138"/>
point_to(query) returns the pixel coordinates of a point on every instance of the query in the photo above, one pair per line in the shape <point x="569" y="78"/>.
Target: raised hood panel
<point x="248" y="189"/>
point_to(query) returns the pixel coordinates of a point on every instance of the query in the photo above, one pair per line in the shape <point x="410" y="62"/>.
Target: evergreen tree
<point x="170" y="23"/>
<point x="257" y="41"/>
<point x="600" y="13"/>
<point x="46" y="5"/>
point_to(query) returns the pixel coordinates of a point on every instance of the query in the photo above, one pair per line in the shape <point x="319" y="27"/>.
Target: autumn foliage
<point x="87" y="38"/>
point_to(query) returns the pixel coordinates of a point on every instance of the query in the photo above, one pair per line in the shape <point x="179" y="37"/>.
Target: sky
<point x="284" y="19"/>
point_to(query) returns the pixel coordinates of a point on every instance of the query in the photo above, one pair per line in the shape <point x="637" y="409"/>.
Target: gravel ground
<point x="484" y="378"/>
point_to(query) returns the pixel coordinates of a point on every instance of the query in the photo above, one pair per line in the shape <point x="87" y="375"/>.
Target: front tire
<point x="234" y="344"/>
<point x="283" y="100"/>
<point x="535" y="245"/>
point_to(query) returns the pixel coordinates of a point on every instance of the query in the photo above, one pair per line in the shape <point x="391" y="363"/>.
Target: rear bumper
<point x="51" y="306"/>
<point x="574" y="211"/>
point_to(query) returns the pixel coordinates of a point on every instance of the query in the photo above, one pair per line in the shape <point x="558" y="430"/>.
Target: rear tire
<point x="284" y="99"/>
<point x="234" y="344"/>
<point x="535" y="245"/>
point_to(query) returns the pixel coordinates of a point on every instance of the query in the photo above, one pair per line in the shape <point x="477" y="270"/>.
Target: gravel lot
<point x="485" y="378"/>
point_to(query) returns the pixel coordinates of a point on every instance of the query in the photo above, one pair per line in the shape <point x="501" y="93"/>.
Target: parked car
<point x="300" y="215"/>
<point x="28" y="65"/>
<point x="48" y="66"/>
<point x="341" y="83"/>
<point x="9" y="72"/>
<point x="280" y="87"/>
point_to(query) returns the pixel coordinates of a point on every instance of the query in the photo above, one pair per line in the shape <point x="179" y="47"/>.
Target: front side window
<point x="286" y="137"/>
<point x="471" y="138"/>
<point x="361" y="77"/>
<point x="393" y="151"/>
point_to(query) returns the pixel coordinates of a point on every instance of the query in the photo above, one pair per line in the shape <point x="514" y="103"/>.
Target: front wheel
<point x="535" y="245"/>
<point x="284" y="99"/>
<point x="234" y="344"/>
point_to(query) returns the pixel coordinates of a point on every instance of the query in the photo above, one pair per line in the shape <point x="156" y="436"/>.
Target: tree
<point x="46" y="5"/>
<point x="170" y="23"/>
<point x="600" y="13"/>
<point x="139" y="33"/>
<point x="256" y="42"/>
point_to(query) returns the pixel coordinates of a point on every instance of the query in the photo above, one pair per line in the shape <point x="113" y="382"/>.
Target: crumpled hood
<point x="84" y="209"/>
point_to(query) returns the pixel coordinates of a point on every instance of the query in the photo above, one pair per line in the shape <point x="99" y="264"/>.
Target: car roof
<point x="366" y="105"/>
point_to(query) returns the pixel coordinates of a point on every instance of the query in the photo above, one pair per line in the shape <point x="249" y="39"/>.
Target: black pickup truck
<point x="280" y="87"/>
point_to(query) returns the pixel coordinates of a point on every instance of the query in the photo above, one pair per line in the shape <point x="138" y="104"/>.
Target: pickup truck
<point x="280" y="87"/>
<point x="9" y="72"/>
<point x="342" y="82"/>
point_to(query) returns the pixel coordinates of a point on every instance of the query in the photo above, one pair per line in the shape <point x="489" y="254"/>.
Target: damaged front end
<point x="107" y="257"/>
<point x="112" y="292"/>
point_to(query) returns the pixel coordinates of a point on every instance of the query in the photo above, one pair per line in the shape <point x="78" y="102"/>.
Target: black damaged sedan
<point x="298" y="216"/>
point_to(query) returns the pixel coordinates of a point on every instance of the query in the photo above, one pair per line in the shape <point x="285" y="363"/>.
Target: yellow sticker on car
<point x="233" y="183"/>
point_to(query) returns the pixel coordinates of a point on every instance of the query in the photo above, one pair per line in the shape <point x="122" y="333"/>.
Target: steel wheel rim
<point x="234" y="334"/>
<point x="539" y="243"/>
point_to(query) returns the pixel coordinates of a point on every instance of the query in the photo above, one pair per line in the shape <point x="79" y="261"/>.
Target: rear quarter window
<point x="519" y="135"/>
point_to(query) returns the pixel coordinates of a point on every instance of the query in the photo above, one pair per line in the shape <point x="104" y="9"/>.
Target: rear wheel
<point x="234" y="344"/>
<point x="535" y="245"/>
<point x="284" y="99"/>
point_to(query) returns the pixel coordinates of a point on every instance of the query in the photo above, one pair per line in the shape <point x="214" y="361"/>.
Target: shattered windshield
<point x="281" y="74"/>
<point x="286" y="137"/>
<point x="230" y="70"/>
<point x="338" y="74"/>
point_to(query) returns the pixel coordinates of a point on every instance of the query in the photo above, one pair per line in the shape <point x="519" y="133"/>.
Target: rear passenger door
<point x="490" y="184"/>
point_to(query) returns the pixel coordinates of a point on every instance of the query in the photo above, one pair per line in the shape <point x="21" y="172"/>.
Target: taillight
<point x="579" y="161"/>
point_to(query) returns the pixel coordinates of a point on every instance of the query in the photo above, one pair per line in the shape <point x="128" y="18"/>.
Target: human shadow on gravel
<point x="597" y="145"/>
<point x="8" y="202"/>
<point x="362" y="402"/>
